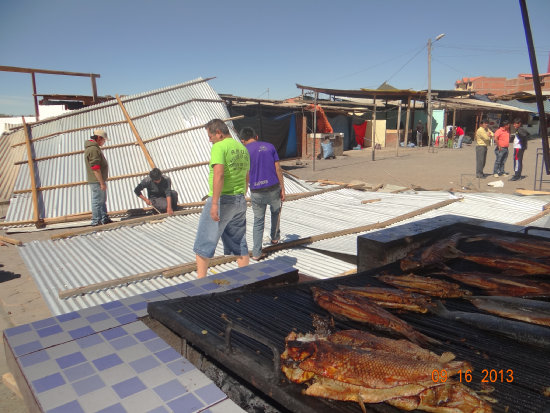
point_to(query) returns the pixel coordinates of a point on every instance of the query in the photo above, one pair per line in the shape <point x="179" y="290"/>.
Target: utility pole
<point x="429" y="121"/>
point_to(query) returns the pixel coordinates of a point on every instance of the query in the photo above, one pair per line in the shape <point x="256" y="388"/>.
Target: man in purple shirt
<point x="266" y="188"/>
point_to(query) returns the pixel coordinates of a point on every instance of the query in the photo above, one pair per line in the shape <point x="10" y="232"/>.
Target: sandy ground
<point x="427" y="168"/>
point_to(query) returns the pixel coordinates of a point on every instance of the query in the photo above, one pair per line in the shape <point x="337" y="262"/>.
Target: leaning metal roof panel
<point x="168" y="121"/>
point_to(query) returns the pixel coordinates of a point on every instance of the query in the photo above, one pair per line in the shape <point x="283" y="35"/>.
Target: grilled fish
<point x="434" y="255"/>
<point x="499" y="285"/>
<point x="372" y="375"/>
<point x="530" y="311"/>
<point x="448" y="398"/>
<point x="391" y="298"/>
<point x="361" y="309"/>
<point x="425" y="285"/>
<point x="509" y="265"/>
<point x="532" y="248"/>
<point x="519" y="331"/>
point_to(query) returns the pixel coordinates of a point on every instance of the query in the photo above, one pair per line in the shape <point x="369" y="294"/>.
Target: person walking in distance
<point x="266" y="188"/>
<point x="224" y="213"/>
<point x="483" y="139"/>
<point x="97" y="170"/>
<point x="502" y="141"/>
<point x="460" y="134"/>
<point x="520" y="145"/>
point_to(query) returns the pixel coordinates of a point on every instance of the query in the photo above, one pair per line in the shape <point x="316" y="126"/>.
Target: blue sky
<point x="252" y="46"/>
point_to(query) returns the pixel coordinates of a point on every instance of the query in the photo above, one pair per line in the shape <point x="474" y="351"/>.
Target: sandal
<point x="262" y="256"/>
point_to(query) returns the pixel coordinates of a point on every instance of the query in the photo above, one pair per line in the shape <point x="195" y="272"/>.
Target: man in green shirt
<point x="224" y="214"/>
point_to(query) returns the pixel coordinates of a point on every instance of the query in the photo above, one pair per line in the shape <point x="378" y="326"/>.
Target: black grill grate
<point x="271" y="313"/>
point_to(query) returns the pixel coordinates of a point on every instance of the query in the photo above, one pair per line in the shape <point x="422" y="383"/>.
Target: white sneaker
<point x="495" y="175"/>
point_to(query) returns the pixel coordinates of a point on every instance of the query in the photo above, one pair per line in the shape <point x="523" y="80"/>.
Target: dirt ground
<point x="426" y="168"/>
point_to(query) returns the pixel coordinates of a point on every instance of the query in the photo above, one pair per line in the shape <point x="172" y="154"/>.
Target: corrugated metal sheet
<point x="8" y="157"/>
<point x="88" y="259"/>
<point x="494" y="208"/>
<point x="157" y="113"/>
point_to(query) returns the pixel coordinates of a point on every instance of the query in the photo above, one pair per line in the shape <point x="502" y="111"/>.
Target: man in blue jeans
<point x="224" y="214"/>
<point x="266" y="188"/>
<point x="97" y="171"/>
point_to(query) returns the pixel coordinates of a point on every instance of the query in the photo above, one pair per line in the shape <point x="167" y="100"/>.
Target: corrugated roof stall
<point x="169" y="121"/>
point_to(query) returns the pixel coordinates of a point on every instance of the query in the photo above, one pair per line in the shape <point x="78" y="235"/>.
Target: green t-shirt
<point x="236" y="162"/>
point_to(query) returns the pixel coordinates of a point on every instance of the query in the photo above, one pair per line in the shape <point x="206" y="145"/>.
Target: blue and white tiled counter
<point x="103" y="359"/>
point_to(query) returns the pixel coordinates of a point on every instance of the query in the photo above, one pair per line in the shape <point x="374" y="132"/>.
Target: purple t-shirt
<point x="262" y="165"/>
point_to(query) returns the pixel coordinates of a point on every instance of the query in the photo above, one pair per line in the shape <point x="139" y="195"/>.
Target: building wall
<point x="499" y="86"/>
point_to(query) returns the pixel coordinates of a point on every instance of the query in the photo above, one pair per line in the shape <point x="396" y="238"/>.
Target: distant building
<point x="499" y="86"/>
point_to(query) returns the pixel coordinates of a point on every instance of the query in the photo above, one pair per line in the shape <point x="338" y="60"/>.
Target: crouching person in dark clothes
<point x="159" y="189"/>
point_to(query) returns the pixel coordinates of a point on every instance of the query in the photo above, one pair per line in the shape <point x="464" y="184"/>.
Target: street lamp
<point x="429" y="122"/>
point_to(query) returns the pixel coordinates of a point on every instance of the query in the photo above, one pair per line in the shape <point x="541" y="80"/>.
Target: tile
<point x="71" y="407"/>
<point x="127" y="318"/>
<point x="170" y="390"/>
<point x="156" y="344"/>
<point x="14" y="331"/>
<point x="81" y="332"/>
<point x="115" y="408"/>
<point x="143" y="401"/>
<point x="49" y="331"/>
<point x="118" y="311"/>
<point x="40" y="370"/>
<point x="160" y="409"/>
<point x="107" y="362"/>
<point x="49" y="382"/>
<point x="27" y="348"/>
<point x="144" y="364"/>
<point x="70" y="360"/>
<point x="94" y="318"/>
<point x="121" y="373"/>
<point x="33" y="358"/>
<point x="47" y="322"/>
<point x="123" y="342"/>
<point x="114" y="333"/>
<point x="88" y="385"/>
<point x="90" y="341"/>
<point x="187" y="403"/>
<point x="78" y="372"/>
<point x="63" y="318"/>
<point x="210" y="394"/>
<point x="128" y="387"/>
<point x="97" y="401"/>
<point x="145" y="335"/>
<point x="112" y="305"/>
<point x="181" y="366"/>
<point x="168" y="355"/>
<point x="57" y="396"/>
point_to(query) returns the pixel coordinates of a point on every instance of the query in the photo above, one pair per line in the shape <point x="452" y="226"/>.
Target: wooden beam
<point x="191" y="266"/>
<point x="36" y="213"/>
<point x="48" y="72"/>
<point x="543" y="213"/>
<point x="10" y="240"/>
<point x="136" y="134"/>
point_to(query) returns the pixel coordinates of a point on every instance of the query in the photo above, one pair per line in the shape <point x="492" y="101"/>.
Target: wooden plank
<point x="166" y="272"/>
<point x="192" y="266"/>
<point x="36" y="213"/>
<point x="544" y="212"/>
<point x="368" y="201"/>
<point x="47" y="72"/>
<point x="136" y="133"/>
<point x="522" y="191"/>
<point x="128" y="222"/>
<point x="10" y="240"/>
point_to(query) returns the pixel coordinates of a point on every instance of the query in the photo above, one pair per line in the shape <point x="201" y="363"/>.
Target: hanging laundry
<point x="360" y="131"/>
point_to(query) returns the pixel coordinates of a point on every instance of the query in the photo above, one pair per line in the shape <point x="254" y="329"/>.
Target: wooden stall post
<point x="38" y="221"/>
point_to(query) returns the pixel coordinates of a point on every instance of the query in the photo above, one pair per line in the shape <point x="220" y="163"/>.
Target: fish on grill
<point x="424" y="285"/>
<point x="434" y="255"/>
<point x="530" y="247"/>
<point x="516" y="330"/>
<point x="391" y="298"/>
<point x="495" y="284"/>
<point x="360" y="309"/>
<point x="530" y="311"/>
<point x="509" y="265"/>
<point x="370" y="369"/>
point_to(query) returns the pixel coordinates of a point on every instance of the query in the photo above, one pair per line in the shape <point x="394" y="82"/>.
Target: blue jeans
<point x="260" y="201"/>
<point x="500" y="161"/>
<point x="99" y="206"/>
<point x="231" y="228"/>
